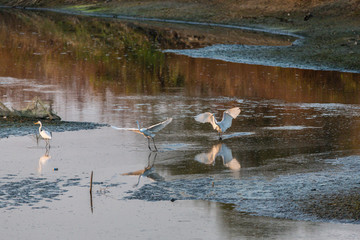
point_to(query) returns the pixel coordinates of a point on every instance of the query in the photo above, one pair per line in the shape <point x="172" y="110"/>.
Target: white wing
<point x="45" y="134"/>
<point x="228" y="116"/>
<point x="126" y="129"/>
<point x="233" y="112"/>
<point x="206" y="117"/>
<point x="159" y="126"/>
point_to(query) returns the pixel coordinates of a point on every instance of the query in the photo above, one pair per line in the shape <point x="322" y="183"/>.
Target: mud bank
<point x="310" y="196"/>
<point x="32" y="193"/>
<point x="19" y="127"/>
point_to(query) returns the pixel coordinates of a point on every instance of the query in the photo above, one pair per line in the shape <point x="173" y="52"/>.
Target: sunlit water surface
<point x="297" y="137"/>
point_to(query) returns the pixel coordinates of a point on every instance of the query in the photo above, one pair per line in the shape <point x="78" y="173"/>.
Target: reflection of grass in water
<point x="102" y="39"/>
<point x="107" y="45"/>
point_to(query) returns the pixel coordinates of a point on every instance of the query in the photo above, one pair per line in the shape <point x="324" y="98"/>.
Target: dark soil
<point x="22" y="127"/>
<point x="344" y="206"/>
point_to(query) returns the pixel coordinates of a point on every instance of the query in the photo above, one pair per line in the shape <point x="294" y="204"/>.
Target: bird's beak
<point x="36" y="123"/>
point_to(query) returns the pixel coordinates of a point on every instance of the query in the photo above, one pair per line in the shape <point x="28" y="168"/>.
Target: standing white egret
<point x="224" y="124"/>
<point x="149" y="132"/>
<point x="46" y="135"/>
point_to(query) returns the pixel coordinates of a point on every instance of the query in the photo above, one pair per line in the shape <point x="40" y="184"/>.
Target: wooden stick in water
<point x="91" y="181"/>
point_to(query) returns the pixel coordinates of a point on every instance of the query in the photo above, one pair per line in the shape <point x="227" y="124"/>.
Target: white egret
<point x="46" y="135"/>
<point x="219" y="150"/>
<point x="224" y="124"/>
<point x="149" y="132"/>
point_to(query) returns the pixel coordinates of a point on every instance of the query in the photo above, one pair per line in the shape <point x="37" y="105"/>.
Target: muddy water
<point x="292" y="149"/>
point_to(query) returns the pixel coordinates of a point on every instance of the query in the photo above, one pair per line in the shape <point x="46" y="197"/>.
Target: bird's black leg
<point x="149" y="159"/>
<point x="149" y="144"/>
<point x="138" y="181"/>
<point x="154" y="145"/>
<point x="37" y="139"/>
<point x="220" y="136"/>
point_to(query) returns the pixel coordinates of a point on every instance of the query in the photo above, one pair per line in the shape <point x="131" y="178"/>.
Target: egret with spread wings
<point x="224" y="124"/>
<point x="149" y="132"/>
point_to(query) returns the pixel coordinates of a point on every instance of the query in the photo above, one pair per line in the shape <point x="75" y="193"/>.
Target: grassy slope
<point x="333" y="31"/>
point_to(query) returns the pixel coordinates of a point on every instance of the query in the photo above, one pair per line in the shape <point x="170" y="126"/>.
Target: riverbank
<point x="331" y="31"/>
<point x="296" y="140"/>
<point x="34" y="189"/>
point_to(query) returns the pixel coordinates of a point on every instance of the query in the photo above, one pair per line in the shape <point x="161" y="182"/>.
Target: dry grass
<point x="334" y="24"/>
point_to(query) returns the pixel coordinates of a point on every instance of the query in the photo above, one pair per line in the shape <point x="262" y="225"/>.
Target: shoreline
<point x="303" y="53"/>
<point x="64" y="193"/>
<point x="172" y="21"/>
<point x="32" y="190"/>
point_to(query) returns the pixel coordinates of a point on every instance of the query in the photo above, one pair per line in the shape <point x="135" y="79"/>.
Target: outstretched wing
<point x="206" y="117"/>
<point x="126" y="129"/>
<point x="159" y="126"/>
<point x="233" y="112"/>
<point x="228" y="116"/>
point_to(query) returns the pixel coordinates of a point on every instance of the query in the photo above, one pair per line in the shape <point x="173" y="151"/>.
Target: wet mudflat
<point x="291" y="153"/>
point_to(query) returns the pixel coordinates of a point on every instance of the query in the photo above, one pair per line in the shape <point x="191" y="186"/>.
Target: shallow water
<point x="295" y="140"/>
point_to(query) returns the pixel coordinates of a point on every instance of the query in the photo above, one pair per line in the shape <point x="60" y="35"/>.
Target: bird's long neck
<point x="215" y="123"/>
<point x="214" y="120"/>
<point x="40" y="127"/>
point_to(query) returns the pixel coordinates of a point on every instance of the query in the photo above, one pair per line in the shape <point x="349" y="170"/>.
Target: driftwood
<point x="37" y="109"/>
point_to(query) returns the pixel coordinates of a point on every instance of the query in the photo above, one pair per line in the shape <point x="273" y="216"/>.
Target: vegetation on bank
<point x="37" y="109"/>
<point x="330" y="27"/>
<point x="108" y="51"/>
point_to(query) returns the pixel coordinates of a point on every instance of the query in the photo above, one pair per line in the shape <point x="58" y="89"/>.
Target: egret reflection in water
<point x="219" y="150"/>
<point x="35" y="137"/>
<point x="43" y="159"/>
<point x="148" y="171"/>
